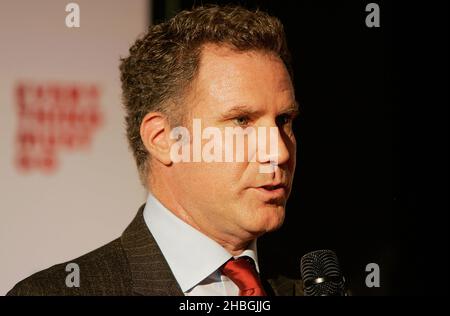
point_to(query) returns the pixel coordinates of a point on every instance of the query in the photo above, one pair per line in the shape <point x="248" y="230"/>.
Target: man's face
<point x="238" y="89"/>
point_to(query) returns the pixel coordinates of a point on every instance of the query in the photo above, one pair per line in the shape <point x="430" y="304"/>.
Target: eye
<point x="284" y="119"/>
<point x="242" y="120"/>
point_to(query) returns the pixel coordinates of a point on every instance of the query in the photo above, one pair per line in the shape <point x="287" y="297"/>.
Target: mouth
<point x="272" y="192"/>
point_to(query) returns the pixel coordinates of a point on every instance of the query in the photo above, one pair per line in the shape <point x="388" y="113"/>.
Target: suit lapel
<point x="150" y="273"/>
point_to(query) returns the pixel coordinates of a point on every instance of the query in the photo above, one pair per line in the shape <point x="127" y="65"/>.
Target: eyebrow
<point x="240" y="110"/>
<point x="293" y="109"/>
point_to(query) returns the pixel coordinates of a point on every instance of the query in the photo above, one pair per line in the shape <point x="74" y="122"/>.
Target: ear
<point x="155" y="134"/>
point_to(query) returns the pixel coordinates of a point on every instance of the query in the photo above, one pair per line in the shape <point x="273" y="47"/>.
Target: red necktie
<point x="243" y="273"/>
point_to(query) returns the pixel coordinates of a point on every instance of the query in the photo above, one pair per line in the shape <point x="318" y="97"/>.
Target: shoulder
<point x="103" y="271"/>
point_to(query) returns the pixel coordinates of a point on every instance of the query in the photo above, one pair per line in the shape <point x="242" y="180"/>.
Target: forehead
<point x="227" y="76"/>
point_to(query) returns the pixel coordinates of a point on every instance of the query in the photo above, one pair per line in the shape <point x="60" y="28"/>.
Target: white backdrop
<point x="47" y="217"/>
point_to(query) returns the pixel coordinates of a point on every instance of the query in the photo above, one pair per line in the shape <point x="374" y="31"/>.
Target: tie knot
<point x="242" y="272"/>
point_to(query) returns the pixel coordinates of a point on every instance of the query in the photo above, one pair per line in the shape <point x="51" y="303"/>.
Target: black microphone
<point x="321" y="274"/>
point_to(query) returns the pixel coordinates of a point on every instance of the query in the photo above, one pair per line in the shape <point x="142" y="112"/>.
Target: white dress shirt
<point x="193" y="257"/>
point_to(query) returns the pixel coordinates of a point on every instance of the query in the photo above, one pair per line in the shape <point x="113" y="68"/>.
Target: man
<point x="225" y="67"/>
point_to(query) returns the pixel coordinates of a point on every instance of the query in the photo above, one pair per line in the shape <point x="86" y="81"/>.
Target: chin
<point x="272" y="220"/>
<point x="275" y="226"/>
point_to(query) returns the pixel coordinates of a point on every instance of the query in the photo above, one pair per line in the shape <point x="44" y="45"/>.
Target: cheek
<point x="293" y="161"/>
<point x="293" y="153"/>
<point x="214" y="179"/>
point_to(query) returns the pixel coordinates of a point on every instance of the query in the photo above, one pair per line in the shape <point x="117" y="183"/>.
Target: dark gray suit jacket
<point x="130" y="265"/>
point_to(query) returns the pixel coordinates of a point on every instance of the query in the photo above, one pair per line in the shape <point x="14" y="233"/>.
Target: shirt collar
<point x="192" y="256"/>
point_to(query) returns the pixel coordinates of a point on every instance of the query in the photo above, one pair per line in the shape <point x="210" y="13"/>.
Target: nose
<point x="272" y="149"/>
<point x="283" y="150"/>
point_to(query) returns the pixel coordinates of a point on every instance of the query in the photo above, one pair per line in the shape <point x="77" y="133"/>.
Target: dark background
<point x="372" y="176"/>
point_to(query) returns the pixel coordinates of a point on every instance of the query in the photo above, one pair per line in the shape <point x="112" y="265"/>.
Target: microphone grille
<point x="321" y="274"/>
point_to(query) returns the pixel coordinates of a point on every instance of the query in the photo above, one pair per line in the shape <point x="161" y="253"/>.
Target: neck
<point x="233" y="244"/>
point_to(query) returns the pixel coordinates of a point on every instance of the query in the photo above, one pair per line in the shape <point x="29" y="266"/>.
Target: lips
<point x="272" y="191"/>
<point x="272" y="187"/>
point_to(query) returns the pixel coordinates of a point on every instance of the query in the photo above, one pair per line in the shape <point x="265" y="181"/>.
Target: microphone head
<point x="321" y="274"/>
